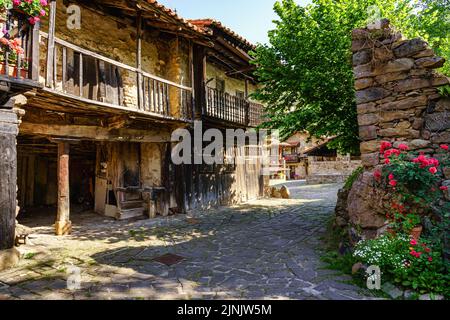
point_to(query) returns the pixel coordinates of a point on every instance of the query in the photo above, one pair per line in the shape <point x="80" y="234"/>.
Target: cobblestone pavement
<point x="265" y="249"/>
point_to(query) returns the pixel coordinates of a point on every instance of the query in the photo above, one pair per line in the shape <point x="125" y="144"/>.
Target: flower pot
<point x="13" y="71"/>
<point x="416" y="232"/>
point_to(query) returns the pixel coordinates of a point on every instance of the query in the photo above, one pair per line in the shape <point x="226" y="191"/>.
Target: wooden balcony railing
<point x="19" y="54"/>
<point x="229" y="108"/>
<point x="87" y="76"/>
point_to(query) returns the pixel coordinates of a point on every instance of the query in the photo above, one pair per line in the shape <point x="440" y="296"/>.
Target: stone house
<point x="309" y="158"/>
<point x="107" y="84"/>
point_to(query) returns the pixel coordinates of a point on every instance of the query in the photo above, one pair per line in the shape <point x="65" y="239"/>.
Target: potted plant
<point x="32" y="10"/>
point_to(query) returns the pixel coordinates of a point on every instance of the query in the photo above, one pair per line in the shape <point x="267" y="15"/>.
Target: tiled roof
<point x="208" y="23"/>
<point x="201" y="25"/>
<point x="173" y="14"/>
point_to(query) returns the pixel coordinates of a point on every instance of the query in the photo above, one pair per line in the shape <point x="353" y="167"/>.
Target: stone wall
<point x="397" y="101"/>
<point x="330" y="171"/>
<point x="231" y="84"/>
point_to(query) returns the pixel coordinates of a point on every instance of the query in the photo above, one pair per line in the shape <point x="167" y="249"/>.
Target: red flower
<point x="393" y="183"/>
<point x="387" y="161"/>
<point x="403" y="147"/>
<point x="391" y="152"/>
<point x="377" y="175"/>
<point x="385" y="145"/>
<point x="433" y="170"/>
<point x="413" y="242"/>
<point x="444" y="147"/>
<point x="391" y="177"/>
<point x="430" y="259"/>
<point x="427" y="250"/>
<point x="444" y="188"/>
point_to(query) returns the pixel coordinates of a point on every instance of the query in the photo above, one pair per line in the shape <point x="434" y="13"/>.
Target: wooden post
<point x="35" y="63"/>
<point x="8" y="176"/>
<point x="63" y="226"/>
<point x="139" y="61"/>
<point x="199" y="85"/>
<point x="51" y="46"/>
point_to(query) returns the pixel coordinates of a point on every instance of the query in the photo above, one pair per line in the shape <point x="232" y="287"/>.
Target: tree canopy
<point x="306" y="70"/>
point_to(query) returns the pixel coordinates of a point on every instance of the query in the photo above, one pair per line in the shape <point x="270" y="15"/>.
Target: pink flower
<point x="391" y="177"/>
<point x="444" y="188"/>
<point x="387" y="161"/>
<point x="44" y="3"/>
<point x="430" y="259"/>
<point x="413" y="242"/>
<point x="433" y="170"/>
<point x="393" y="183"/>
<point x="16" y="2"/>
<point x="42" y="13"/>
<point x="444" y="147"/>
<point x="403" y="147"/>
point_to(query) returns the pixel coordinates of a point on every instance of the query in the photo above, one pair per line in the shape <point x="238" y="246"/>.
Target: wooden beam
<point x="63" y="225"/>
<point x="95" y="133"/>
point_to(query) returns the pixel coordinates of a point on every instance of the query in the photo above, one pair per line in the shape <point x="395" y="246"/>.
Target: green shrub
<point x="353" y="177"/>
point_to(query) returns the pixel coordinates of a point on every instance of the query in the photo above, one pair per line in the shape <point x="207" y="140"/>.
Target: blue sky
<point x="249" y="18"/>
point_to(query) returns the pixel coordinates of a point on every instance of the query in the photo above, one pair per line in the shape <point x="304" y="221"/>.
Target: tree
<point x="306" y="71"/>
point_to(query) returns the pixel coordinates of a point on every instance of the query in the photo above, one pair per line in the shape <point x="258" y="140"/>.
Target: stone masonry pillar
<point x="8" y="175"/>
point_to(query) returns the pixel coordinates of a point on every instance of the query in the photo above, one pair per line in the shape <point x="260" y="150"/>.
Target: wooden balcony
<point x="76" y="73"/>
<point x="232" y="109"/>
<point x="19" y="55"/>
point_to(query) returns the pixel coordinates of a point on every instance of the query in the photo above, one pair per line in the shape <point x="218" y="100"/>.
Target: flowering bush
<point x="34" y="9"/>
<point x="412" y="182"/>
<point x="410" y="263"/>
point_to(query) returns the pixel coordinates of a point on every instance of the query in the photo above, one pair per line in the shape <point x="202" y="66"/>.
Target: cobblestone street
<point x="265" y="249"/>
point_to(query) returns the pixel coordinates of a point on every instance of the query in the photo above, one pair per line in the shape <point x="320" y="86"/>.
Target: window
<point x="220" y="85"/>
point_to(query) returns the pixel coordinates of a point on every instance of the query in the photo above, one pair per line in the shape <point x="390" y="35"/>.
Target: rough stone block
<point x="366" y="108"/>
<point x="370" y="146"/>
<point x="368" y="132"/>
<point x="9" y="258"/>
<point x="362" y="71"/>
<point x="371" y="94"/>
<point x="403" y="64"/>
<point x="430" y="62"/>
<point x="363" y="83"/>
<point x="370" y="159"/>
<point x="437" y="122"/>
<point x="368" y="119"/>
<point x="410" y="48"/>
<point x="394" y="76"/>
<point x="362" y="57"/>
<point x="412" y="84"/>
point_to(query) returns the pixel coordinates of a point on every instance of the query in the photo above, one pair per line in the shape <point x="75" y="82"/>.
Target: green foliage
<point x="444" y="91"/>
<point x="306" y="71"/>
<point x="353" y="177"/>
